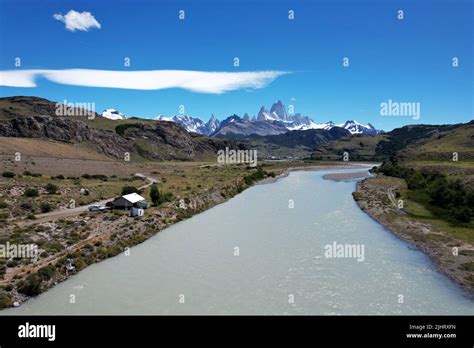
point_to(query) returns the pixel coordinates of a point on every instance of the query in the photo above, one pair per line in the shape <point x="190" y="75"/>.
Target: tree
<point x="155" y="195"/>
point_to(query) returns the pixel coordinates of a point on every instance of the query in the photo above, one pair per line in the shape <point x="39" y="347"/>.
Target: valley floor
<point x="69" y="243"/>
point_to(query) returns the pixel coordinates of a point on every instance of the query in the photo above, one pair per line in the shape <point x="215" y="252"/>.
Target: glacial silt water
<point x="264" y="252"/>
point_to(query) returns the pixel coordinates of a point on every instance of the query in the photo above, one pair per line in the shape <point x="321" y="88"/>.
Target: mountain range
<point x="35" y="119"/>
<point x="266" y="122"/>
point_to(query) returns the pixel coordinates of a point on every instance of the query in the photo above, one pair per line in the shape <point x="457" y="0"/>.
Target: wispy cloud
<point x="78" y="20"/>
<point x="196" y="81"/>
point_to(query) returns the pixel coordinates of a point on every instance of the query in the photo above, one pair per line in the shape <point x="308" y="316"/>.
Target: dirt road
<point x="77" y="210"/>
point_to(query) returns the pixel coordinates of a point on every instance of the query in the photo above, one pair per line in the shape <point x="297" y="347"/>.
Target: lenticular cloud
<point x="196" y="81"/>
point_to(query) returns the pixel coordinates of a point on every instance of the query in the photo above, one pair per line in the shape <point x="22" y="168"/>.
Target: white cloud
<point x="78" y="20"/>
<point x="196" y="81"/>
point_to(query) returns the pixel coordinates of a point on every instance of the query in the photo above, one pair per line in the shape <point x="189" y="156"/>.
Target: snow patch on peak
<point x="113" y="114"/>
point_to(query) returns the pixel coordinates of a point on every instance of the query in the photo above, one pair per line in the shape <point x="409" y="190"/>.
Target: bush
<point x="51" y="189"/>
<point x="3" y="205"/>
<point x="257" y="175"/>
<point x="129" y="189"/>
<point x="31" y="286"/>
<point x="449" y="195"/>
<point x="47" y="272"/>
<point x="121" y="128"/>
<point x="31" y="192"/>
<point x="8" y="174"/>
<point x="26" y="206"/>
<point x="5" y="301"/>
<point x="60" y="177"/>
<point x="45" y="207"/>
<point x="416" y="181"/>
<point x="462" y="214"/>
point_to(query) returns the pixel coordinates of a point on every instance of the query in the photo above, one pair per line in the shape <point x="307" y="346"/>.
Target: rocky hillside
<point x="31" y="117"/>
<point x="408" y="143"/>
<point x="293" y="144"/>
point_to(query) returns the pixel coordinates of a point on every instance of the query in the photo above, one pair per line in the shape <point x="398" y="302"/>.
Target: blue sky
<point x="405" y="60"/>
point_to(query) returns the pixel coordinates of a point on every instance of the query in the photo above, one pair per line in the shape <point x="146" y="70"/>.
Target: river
<point x="264" y="252"/>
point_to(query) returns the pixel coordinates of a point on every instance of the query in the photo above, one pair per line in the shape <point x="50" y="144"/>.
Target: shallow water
<point x="281" y="258"/>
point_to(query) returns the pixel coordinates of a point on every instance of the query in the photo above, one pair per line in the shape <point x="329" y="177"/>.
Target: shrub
<point x="462" y="214"/>
<point x="8" y="174"/>
<point x="5" y="301"/>
<point x="45" y="207"/>
<point x="257" y="175"/>
<point x="12" y="263"/>
<point x="121" y="128"/>
<point x="60" y="177"/>
<point x="416" y="181"/>
<point x="3" y="205"/>
<point x="31" y="192"/>
<point x="51" y="189"/>
<point x="129" y="189"/>
<point x="47" y="272"/>
<point x="26" y="206"/>
<point x="449" y="195"/>
<point x="31" y="286"/>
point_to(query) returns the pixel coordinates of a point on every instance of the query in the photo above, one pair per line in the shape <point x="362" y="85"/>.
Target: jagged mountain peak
<point x="275" y="121"/>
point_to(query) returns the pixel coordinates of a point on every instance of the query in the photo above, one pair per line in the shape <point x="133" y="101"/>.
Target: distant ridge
<point x="266" y="122"/>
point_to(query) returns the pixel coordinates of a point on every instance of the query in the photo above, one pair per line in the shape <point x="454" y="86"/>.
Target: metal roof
<point x="133" y="198"/>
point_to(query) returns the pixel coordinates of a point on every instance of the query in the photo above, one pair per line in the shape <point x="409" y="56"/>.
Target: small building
<point x="143" y="204"/>
<point x="128" y="201"/>
<point x="137" y="212"/>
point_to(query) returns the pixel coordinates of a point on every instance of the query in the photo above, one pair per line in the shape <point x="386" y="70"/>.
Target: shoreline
<point x="314" y="168"/>
<point x="436" y="244"/>
<point x="162" y="218"/>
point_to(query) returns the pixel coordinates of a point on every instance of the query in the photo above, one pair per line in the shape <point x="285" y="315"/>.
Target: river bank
<point x="376" y="196"/>
<point x="108" y="235"/>
<point x="254" y="254"/>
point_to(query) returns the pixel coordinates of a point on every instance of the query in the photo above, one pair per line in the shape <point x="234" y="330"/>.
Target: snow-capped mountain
<point x="194" y="124"/>
<point x="212" y="125"/>
<point x="275" y="121"/>
<point x="113" y="114"/>
<point x="265" y="115"/>
<point x="358" y="128"/>
<point x="279" y="111"/>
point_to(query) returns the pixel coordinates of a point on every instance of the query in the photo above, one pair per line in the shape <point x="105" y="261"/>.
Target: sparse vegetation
<point x="31" y="192"/>
<point x="45" y="207"/>
<point x="51" y="189"/>
<point x="158" y="198"/>
<point x="8" y="174"/>
<point x="455" y="200"/>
